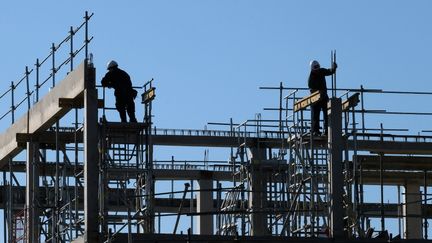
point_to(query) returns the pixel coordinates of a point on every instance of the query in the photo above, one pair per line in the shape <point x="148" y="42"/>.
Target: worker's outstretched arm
<point x="329" y="71"/>
<point x="107" y="81"/>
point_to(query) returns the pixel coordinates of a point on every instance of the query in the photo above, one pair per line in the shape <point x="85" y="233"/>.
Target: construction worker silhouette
<point x="317" y="82"/>
<point x="123" y="91"/>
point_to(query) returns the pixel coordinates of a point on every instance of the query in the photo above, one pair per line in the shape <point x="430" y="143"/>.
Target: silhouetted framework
<point x="69" y="175"/>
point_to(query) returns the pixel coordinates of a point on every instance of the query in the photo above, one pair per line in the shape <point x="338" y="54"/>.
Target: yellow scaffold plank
<point x="307" y="101"/>
<point x="352" y="101"/>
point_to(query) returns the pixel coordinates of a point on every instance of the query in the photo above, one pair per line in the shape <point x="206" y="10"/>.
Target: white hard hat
<point x="314" y="65"/>
<point x="111" y="64"/>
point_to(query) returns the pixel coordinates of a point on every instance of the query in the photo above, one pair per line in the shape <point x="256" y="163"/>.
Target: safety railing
<point x="222" y="166"/>
<point x="216" y="133"/>
<point x="394" y="138"/>
<point x="62" y="54"/>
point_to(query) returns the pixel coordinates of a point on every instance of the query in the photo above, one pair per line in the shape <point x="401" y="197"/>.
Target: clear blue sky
<point x="208" y="58"/>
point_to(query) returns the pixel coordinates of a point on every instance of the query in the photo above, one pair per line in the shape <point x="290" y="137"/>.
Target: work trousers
<point x="315" y="116"/>
<point x="126" y="104"/>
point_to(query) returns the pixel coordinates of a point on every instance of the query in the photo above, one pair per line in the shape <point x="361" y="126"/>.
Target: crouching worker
<point x="123" y="91"/>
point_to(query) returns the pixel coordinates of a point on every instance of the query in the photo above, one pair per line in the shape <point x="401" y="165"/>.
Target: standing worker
<point x="317" y="82"/>
<point x="123" y="91"/>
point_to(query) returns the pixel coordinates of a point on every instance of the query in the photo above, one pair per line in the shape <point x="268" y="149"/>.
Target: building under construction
<point x="69" y="175"/>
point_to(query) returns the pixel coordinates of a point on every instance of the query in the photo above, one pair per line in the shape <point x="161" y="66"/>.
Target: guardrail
<point x="51" y="61"/>
<point x="186" y="165"/>
<point x="217" y="133"/>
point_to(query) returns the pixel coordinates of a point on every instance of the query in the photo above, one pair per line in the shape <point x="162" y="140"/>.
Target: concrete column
<point x="91" y="176"/>
<point x="257" y="195"/>
<point x="205" y="205"/>
<point x="412" y="209"/>
<point x="32" y="189"/>
<point x="335" y="169"/>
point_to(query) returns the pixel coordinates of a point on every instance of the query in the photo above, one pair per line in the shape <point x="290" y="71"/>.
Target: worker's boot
<point x="132" y="117"/>
<point x="123" y="116"/>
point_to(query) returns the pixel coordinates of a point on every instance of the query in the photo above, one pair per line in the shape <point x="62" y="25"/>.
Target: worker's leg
<point x="315" y="112"/>
<point x="121" y="108"/>
<point x="131" y="110"/>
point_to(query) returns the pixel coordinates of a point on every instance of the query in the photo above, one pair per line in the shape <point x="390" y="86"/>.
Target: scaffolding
<point x="85" y="178"/>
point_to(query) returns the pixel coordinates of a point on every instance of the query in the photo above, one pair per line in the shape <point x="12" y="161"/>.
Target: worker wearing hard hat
<point x="123" y="91"/>
<point x="317" y="82"/>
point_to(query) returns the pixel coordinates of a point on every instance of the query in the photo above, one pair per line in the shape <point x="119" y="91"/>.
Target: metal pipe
<point x="362" y="107"/>
<point x="53" y="49"/>
<point x="376" y="91"/>
<point x="149" y="159"/>
<point x="280" y="106"/>
<point x="76" y="170"/>
<point x="348" y="177"/>
<point x="172" y="181"/>
<point x="218" y="206"/>
<point x="86" y="33"/>
<point x="382" y="186"/>
<point x="71" y="32"/>
<point x="313" y="156"/>
<point x="4" y="193"/>
<point x="129" y="232"/>
<point x="103" y="98"/>
<point x="28" y="99"/>
<point x="10" y="200"/>
<point x="355" y="172"/>
<point x="57" y="205"/>
<point x="334" y="74"/>
<point x="37" y="79"/>
<point x="332" y="77"/>
<point x="232" y="159"/>
<point x="187" y="185"/>
<point x="425" y="223"/>
<point x="384" y="112"/>
<point x="191" y="204"/>
<point x="13" y="101"/>
<point x="399" y="210"/>
<point x="361" y="193"/>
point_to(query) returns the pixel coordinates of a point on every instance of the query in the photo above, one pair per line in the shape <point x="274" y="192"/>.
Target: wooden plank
<point x="149" y="95"/>
<point x="307" y="101"/>
<point x="352" y="101"/>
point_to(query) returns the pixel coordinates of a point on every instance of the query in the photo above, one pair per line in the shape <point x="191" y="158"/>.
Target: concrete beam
<point x="411" y="210"/>
<point x="43" y="114"/>
<point x="369" y="177"/>
<point x="48" y="138"/>
<point x="32" y="192"/>
<point x="91" y="161"/>
<point x="374" y="146"/>
<point x="116" y="202"/>
<point x="335" y="169"/>
<point x="392" y="147"/>
<point x="401" y="163"/>
<point x="205" y="205"/>
<point x="257" y="195"/>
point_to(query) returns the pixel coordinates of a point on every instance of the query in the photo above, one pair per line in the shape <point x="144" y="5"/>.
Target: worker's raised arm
<point x="328" y="71"/>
